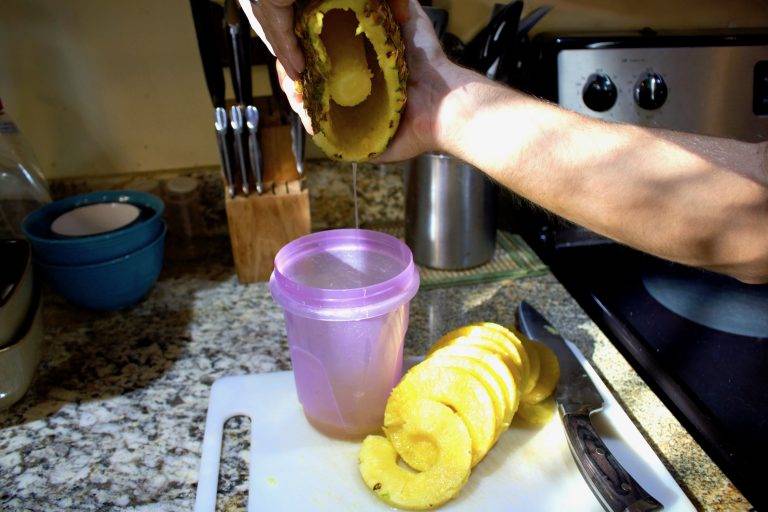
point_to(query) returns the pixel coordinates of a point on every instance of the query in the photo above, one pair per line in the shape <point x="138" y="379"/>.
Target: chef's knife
<point x="238" y="126"/>
<point x="205" y="14"/>
<point x="240" y="57"/>
<point x="252" y="121"/>
<point x="240" y="70"/>
<point x="222" y="127"/>
<point x="577" y="397"/>
<point x="502" y="33"/>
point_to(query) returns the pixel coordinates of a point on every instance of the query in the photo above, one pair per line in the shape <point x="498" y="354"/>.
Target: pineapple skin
<point x="379" y="25"/>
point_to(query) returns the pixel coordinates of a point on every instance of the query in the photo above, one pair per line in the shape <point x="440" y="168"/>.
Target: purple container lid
<point x="344" y="274"/>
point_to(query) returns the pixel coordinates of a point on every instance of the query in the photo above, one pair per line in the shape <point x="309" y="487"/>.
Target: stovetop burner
<point x="712" y="300"/>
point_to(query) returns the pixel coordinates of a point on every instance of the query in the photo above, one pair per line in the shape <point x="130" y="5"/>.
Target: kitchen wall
<point x="104" y="87"/>
<point x="468" y="16"/>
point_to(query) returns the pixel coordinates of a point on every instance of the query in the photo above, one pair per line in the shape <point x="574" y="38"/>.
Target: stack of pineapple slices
<point x="448" y="411"/>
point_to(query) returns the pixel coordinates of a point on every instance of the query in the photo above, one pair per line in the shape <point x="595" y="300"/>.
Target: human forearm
<point x="684" y="197"/>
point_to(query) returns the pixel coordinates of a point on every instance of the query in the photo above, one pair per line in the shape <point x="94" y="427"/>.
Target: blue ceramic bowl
<point x="52" y="249"/>
<point x="111" y="285"/>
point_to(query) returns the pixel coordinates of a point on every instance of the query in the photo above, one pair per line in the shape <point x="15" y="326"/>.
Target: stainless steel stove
<point x="698" y="339"/>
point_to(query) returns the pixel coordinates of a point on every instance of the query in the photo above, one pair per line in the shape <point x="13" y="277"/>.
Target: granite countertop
<point x="115" y="417"/>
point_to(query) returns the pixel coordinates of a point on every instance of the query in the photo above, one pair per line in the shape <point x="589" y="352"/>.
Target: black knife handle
<point x="205" y="15"/>
<point x="243" y="56"/>
<point x="613" y="486"/>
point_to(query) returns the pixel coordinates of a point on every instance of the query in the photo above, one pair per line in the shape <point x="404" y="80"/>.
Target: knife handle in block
<point x="613" y="486"/>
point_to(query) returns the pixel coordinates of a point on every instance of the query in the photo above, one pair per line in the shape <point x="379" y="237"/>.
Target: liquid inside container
<point x="346" y="296"/>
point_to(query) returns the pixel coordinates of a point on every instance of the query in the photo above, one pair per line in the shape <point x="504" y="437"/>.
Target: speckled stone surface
<point x="115" y="417"/>
<point x="380" y="190"/>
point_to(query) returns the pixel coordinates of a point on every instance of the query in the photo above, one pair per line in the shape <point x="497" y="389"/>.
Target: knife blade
<point x="577" y="397"/>
<point x="575" y="392"/>
<point x="297" y="137"/>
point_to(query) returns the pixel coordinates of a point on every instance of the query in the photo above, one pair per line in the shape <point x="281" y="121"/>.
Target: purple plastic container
<point x="345" y="294"/>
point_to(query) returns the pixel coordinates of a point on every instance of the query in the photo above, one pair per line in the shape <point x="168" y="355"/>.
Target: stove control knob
<point x="650" y="91"/>
<point x="599" y="93"/>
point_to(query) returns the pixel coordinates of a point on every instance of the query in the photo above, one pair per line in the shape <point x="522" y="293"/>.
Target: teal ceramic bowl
<point x="52" y="249"/>
<point x="111" y="285"/>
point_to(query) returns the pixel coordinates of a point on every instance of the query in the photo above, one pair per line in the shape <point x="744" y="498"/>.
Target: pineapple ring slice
<point x="492" y="368"/>
<point x="549" y="374"/>
<point x="495" y="363"/>
<point x="535" y="366"/>
<point x="481" y="373"/>
<point x="515" y="338"/>
<point x="496" y="334"/>
<point x="400" y="487"/>
<point x="481" y="340"/>
<point x="454" y="387"/>
<point x="538" y="414"/>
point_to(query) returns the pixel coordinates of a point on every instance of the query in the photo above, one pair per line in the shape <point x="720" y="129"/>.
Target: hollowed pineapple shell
<point x="364" y="130"/>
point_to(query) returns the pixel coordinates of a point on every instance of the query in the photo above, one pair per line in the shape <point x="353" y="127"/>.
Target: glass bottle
<point x="22" y="185"/>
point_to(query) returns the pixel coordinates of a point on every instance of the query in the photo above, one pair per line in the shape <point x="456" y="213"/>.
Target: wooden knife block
<point x="260" y="225"/>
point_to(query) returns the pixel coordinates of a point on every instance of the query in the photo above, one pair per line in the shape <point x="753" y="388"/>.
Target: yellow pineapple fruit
<point x="494" y="342"/>
<point x="487" y="365"/>
<point x="483" y="375"/>
<point x="354" y="85"/>
<point x="454" y="387"/>
<point x="549" y="373"/>
<point x="400" y="487"/>
<point x="350" y="80"/>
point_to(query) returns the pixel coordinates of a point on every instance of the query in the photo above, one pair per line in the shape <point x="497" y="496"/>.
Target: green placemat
<point x="512" y="259"/>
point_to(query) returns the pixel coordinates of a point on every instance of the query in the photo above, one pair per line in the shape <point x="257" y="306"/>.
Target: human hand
<point x="430" y="75"/>
<point x="272" y="20"/>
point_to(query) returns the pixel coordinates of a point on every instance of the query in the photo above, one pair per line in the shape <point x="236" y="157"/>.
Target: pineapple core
<point x="350" y="80"/>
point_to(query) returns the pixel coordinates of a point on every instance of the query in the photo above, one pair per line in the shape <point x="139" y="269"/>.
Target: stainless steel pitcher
<point x="450" y="213"/>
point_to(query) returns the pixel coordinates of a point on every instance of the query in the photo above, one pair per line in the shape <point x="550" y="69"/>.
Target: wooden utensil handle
<point x="613" y="486"/>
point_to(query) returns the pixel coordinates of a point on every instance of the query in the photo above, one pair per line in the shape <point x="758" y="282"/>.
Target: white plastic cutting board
<point x="293" y="467"/>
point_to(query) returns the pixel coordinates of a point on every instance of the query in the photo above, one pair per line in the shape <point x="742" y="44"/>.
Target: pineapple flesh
<point x="403" y="488"/>
<point x="354" y="85"/>
<point x="549" y="373"/>
<point x="454" y="387"/>
<point x="350" y="81"/>
<point x="449" y="410"/>
<point x="510" y="345"/>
